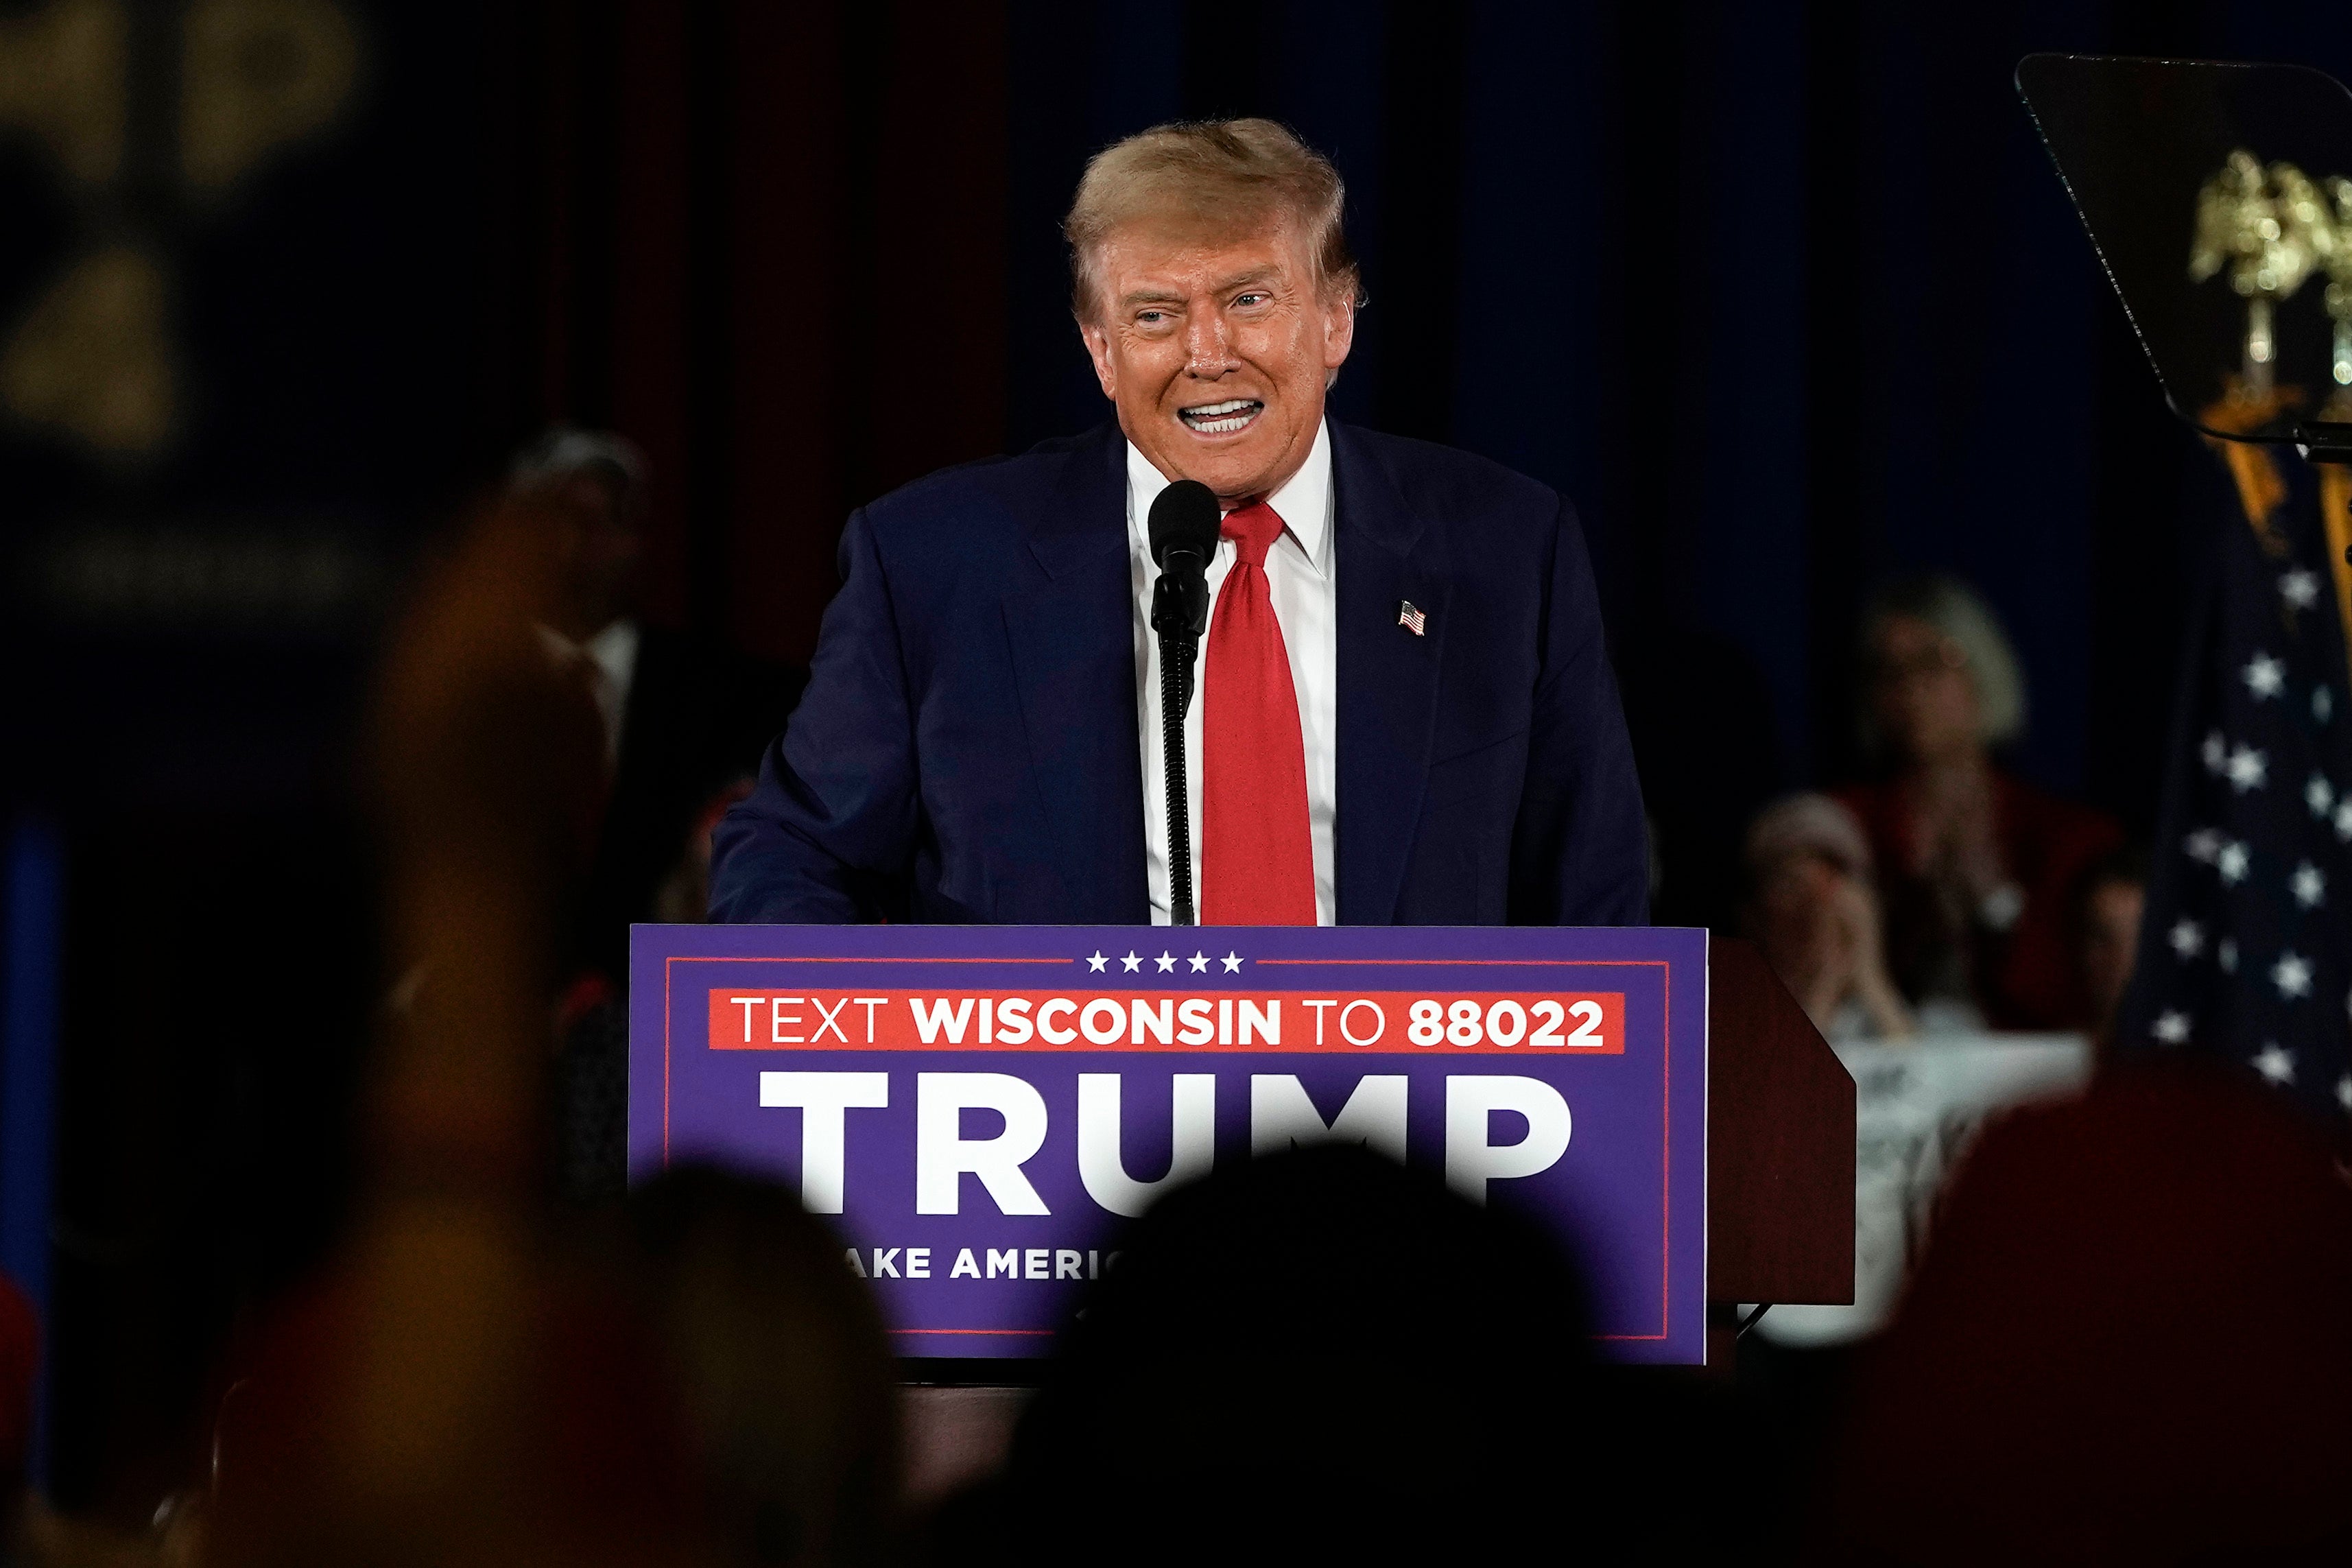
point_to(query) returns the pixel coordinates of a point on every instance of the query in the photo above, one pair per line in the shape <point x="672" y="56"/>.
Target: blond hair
<point x="1228" y="175"/>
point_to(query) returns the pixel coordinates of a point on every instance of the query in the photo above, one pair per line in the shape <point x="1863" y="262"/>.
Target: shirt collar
<point x="1303" y="502"/>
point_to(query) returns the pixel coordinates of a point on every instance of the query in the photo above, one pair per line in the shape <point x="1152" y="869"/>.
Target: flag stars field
<point x="2292" y="974"/>
<point x="2258" y="803"/>
<point x="2265" y="677"/>
<point x="2249" y="769"/>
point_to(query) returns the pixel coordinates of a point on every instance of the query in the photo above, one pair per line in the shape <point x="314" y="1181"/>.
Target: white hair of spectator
<point x="1807" y="824"/>
<point x="1954" y="609"/>
<point x="565" y="450"/>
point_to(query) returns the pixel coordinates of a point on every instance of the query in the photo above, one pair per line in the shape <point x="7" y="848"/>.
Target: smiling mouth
<point x="1221" y="418"/>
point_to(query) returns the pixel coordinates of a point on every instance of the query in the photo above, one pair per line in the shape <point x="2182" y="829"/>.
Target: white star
<point x="2188" y="939"/>
<point x="2231" y="861"/>
<point x="2249" y="769"/>
<point x="1095" y="963"/>
<point x="1130" y="963"/>
<point x="2172" y="1027"/>
<point x="2323" y="703"/>
<point x="2274" y="1064"/>
<point x="2215" y="751"/>
<point x="1167" y="962"/>
<point x="2203" y="844"/>
<point x="2319" y="794"/>
<point x="2309" y="887"/>
<point x="2264" y="676"/>
<point x="2226" y="955"/>
<point x="2300" y="588"/>
<point x="1200" y="963"/>
<point x="2292" y="974"/>
<point x="1232" y="963"/>
<point x="2344" y="819"/>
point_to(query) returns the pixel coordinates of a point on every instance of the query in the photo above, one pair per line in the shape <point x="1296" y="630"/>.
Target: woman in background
<point x="1812" y="909"/>
<point x="1978" y="872"/>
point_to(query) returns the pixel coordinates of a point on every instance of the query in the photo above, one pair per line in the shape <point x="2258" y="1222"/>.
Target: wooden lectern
<point x="1780" y="1146"/>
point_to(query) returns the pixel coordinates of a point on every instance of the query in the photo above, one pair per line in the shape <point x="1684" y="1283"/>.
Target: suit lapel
<point x="1385" y="554"/>
<point x="1073" y="644"/>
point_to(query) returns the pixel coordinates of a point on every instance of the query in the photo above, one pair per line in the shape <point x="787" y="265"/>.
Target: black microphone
<point x="1183" y="529"/>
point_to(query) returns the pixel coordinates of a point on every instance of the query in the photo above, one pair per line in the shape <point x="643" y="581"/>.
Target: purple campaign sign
<point x="978" y="1109"/>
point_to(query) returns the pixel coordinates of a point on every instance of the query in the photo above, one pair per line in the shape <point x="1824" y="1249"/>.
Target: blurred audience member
<point x="20" y="1361"/>
<point x="684" y="897"/>
<point x="683" y="717"/>
<point x="593" y="486"/>
<point x="1812" y="909"/>
<point x="1321" y="1356"/>
<point x="2127" y="1344"/>
<point x="781" y="1369"/>
<point x="458" y="1386"/>
<point x="2109" y="901"/>
<point x="684" y="721"/>
<point x="1976" y="868"/>
<point x="442" y="1393"/>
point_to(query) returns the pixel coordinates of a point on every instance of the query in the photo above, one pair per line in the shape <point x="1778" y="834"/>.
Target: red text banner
<point x="1502" y="1023"/>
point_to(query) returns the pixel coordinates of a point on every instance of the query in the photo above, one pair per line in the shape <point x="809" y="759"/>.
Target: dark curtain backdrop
<point x="1784" y="295"/>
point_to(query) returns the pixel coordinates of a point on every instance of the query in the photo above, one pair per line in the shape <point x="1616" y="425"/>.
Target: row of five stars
<point x="1167" y="962"/>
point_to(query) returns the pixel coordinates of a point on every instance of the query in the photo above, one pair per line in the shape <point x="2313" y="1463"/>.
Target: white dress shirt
<point x="609" y="659"/>
<point x="1299" y="577"/>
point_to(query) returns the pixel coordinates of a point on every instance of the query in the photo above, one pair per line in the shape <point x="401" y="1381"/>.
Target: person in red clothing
<point x="20" y="1360"/>
<point x="2124" y="1345"/>
<point x="1978" y="871"/>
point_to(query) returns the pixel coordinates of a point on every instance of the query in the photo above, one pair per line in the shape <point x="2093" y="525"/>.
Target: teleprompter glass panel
<point x="2218" y="197"/>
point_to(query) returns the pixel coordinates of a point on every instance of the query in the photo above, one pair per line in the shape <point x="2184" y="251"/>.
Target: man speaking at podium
<point x="1406" y="712"/>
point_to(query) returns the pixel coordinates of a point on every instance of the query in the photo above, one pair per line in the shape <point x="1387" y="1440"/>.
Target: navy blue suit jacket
<point x="966" y="751"/>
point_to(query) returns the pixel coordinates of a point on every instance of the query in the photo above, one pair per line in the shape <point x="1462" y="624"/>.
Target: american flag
<point x="2246" y="947"/>
<point x="1412" y="618"/>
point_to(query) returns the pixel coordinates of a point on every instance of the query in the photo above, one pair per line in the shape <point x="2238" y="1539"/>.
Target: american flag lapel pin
<point x="1412" y="618"/>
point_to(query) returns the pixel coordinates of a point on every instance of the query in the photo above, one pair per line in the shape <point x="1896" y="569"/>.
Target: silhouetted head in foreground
<point x="1320" y="1354"/>
<point x="2131" y="1341"/>
<point x="20" y="1338"/>
<point x="778" y="1356"/>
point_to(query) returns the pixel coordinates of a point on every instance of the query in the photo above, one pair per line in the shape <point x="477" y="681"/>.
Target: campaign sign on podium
<point x="977" y="1110"/>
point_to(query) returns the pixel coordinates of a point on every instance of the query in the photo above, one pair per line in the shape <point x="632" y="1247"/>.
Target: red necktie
<point x="1257" y="861"/>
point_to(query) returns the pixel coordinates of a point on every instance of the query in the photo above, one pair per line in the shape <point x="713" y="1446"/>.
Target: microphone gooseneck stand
<point x="1180" y="610"/>
<point x="1175" y="698"/>
<point x="1183" y="535"/>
